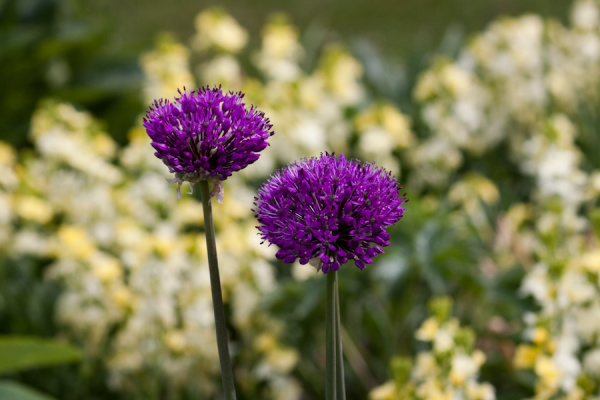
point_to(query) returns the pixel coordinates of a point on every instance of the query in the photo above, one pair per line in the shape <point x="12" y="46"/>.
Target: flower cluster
<point x="309" y="107"/>
<point x="382" y="131"/>
<point x="448" y="371"/>
<point x="8" y="182"/>
<point x="529" y="83"/>
<point x="206" y="135"/>
<point x="135" y="289"/>
<point x="166" y="69"/>
<point x="329" y="210"/>
<point x="504" y="86"/>
<point x="135" y="286"/>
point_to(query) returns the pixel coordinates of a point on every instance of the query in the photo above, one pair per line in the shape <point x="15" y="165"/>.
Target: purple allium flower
<point x="206" y="135"/>
<point x="328" y="211"/>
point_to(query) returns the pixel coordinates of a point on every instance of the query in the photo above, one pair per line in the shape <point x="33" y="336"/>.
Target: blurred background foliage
<point x="490" y="123"/>
<point x="87" y="52"/>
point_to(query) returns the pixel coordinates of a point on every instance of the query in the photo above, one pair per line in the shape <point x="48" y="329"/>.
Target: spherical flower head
<point x="329" y="210"/>
<point x="206" y="135"/>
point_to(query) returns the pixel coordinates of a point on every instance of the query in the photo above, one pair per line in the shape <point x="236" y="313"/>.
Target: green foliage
<point x="16" y="391"/>
<point x="21" y="352"/>
<point x="454" y="242"/>
<point x="401" y="367"/>
<point x="56" y="48"/>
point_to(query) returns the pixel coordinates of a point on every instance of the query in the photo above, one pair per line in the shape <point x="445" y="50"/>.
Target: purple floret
<point x="328" y="211"/>
<point x="206" y="134"/>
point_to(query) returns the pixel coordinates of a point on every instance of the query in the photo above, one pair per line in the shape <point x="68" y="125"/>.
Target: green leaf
<point x="22" y="352"/>
<point x="16" y="391"/>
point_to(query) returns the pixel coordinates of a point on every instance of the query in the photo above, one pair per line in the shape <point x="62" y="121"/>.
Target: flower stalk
<point x="217" y="297"/>
<point x="328" y="211"/>
<point x="330" y="337"/>
<point x="339" y="355"/>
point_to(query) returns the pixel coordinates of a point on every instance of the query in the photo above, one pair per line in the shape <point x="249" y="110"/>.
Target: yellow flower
<point x="463" y="368"/>
<point x="444" y="340"/>
<point x="388" y="120"/>
<point x="224" y="69"/>
<point x="75" y="120"/>
<point x="310" y="92"/>
<point x="74" y="241"/>
<point x="427" y="86"/>
<point x="428" y="329"/>
<point x="106" y="268"/>
<point x="342" y="72"/>
<point x="480" y="391"/>
<point x="398" y="124"/>
<point x="548" y="372"/>
<point x="455" y="79"/>
<point x="33" y="209"/>
<point x="280" y="40"/>
<point x="387" y="391"/>
<point x="366" y="119"/>
<point x="265" y="342"/>
<point x="577" y="393"/>
<point x="518" y="213"/>
<point x="432" y="390"/>
<point x="175" y="341"/>
<point x="8" y="156"/>
<point x="188" y="212"/>
<point x="487" y="191"/>
<point x="282" y="359"/>
<point x="525" y="356"/>
<point x="166" y="69"/>
<point x="104" y="145"/>
<point x="425" y="366"/>
<point x="478" y="357"/>
<point x="473" y="187"/>
<point x="215" y="28"/>
<point x="539" y="335"/>
<point x="589" y="261"/>
<point x="164" y="245"/>
<point x="123" y="297"/>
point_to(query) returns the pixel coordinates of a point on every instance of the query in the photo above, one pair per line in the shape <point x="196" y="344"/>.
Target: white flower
<point x="463" y="368"/>
<point x="216" y="28"/>
<point x="591" y="362"/>
<point x="537" y="284"/>
<point x="443" y="341"/>
<point x="585" y="15"/>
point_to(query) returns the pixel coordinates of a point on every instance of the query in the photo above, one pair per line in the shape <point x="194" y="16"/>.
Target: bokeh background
<point x="486" y="112"/>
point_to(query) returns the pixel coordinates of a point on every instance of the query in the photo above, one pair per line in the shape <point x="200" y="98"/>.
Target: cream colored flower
<point x="463" y="368"/>
<point x="525" y="356"/>
<point x="585" y="15"/>
<point x="217" y="29"/>
<point x="428" y="330"/>
<point x="386" y="391"/>
<point x="549" y="373"/>
<point x="34" y="209"/>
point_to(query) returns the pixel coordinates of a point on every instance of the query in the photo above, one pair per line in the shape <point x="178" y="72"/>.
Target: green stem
<point x="339" y="355"/>
<point x="330" y="342"/>
<point x="217" y="297"/>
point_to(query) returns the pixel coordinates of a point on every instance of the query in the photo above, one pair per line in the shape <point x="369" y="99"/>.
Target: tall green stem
<point x="330" y="342"/>
<point x="339" y="355"/>
<point x="217" y="297"/>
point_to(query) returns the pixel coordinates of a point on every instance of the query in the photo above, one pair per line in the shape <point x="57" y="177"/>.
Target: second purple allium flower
<point x="206" y="135"/>
<point x="329" y="210"/>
